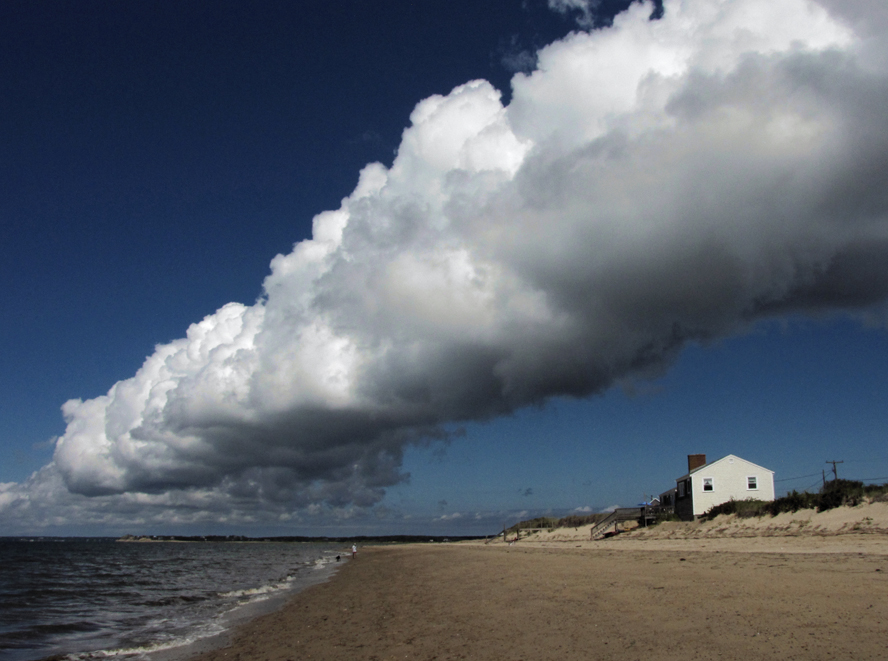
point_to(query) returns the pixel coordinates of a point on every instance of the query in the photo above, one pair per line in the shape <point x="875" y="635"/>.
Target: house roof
<point x="718" y="461"/>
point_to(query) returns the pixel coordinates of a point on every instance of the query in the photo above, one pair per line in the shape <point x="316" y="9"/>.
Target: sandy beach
<point x="635" y="596"/>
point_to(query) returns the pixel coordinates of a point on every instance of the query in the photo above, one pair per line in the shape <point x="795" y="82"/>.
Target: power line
<point x="787" y="479"/>
<point x="811" y="486"/>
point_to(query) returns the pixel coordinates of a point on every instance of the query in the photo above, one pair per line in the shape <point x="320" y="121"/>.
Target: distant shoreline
<point x="362" y="539"/>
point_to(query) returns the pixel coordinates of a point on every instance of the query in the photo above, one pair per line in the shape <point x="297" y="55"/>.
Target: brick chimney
<point x="695" y="461"/>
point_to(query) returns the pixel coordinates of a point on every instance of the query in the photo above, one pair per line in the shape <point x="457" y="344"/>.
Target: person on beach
<point x="354" y="551"/>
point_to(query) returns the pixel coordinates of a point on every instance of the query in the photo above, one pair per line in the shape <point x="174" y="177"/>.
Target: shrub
<point x="577" y="520"/>
<point x="791" y="502"/>
<point x="840" y="492"/>
<point x="877" y="492"/>
<point x="742" y="508"/>
<point x="539" y="522"/>
<point x="571" y="521"/>
<point x="833" y="494"/>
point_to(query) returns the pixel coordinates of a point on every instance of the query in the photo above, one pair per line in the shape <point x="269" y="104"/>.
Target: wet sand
<point x="598" y="600"/>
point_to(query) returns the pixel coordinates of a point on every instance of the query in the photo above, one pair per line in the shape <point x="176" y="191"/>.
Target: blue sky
<point x="155" y="158"/>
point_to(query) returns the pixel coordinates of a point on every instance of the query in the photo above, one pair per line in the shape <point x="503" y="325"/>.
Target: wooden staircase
<point x="618" y="515"/>
<point x="643" y="514"/>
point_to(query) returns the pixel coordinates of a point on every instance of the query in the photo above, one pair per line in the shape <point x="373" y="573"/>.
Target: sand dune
<point x="842" y="530"/>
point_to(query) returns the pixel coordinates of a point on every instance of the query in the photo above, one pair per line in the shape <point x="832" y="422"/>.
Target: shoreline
<point x="472" y="600"/>
<point x="232" y="622"/>
<point x="175" y="633"/>
<point x="241" y="616"/>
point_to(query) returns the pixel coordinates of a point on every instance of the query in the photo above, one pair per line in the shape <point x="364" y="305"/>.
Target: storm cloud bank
<point x="651" y="184"/>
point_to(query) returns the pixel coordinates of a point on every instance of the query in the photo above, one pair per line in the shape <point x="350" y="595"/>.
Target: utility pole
<point x="835" y="472"/>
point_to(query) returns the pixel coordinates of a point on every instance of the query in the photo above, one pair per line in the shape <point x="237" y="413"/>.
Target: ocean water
<point x="97" y="598"/>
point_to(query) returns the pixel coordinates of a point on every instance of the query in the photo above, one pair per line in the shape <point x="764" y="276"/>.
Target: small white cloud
<point x="48" y="444"/>
<point x="584" y="10"/>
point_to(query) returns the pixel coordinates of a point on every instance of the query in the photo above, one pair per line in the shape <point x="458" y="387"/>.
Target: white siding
<point x="729" y="480"/>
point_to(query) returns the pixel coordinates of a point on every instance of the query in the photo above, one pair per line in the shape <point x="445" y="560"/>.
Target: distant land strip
<point x="404" y="539"/>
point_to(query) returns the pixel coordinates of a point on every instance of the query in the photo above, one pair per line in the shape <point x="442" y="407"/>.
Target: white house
<point x="707" y="485"/>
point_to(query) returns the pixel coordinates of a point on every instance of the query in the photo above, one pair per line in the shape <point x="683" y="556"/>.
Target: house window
<point x="752" y="483"/>
<point x="707" y="484"/>
<point x="681" y="489"/>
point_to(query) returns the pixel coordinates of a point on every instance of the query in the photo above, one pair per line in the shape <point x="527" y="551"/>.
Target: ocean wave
<point x="260" y="591"/>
